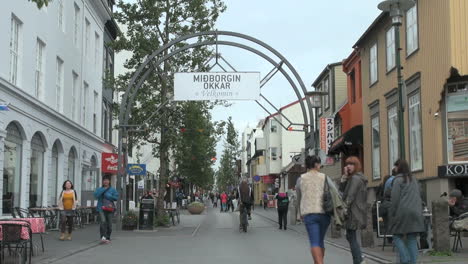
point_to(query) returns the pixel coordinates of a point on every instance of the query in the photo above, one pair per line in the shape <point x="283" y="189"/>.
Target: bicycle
<point x="244" y="222"/>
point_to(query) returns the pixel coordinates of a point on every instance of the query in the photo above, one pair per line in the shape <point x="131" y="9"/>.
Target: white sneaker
<point x="103" y="239"/>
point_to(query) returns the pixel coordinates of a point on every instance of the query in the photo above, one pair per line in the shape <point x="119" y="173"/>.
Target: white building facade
<point x="52" y="79"/>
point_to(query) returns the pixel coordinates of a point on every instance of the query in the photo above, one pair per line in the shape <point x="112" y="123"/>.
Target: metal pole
<point x="316" y="132"/>
<point x="401" y="121"/>
<point x="119" y="180"/>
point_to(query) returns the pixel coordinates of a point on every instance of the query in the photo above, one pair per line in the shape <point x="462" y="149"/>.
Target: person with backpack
<point x="282" y="202"/>
<point x="106" y="195"/>
<point x="406" y="214"/>
<point x="265" y="200"/>
<point x="67" y="203"/>
<point x="354" y="188"/>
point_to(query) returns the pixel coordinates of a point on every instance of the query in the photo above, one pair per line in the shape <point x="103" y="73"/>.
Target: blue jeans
<point x="408" y="248"/>
<point x="105" y="220"/>
<point x="317" y="225"/>
<point x="351" y="236"/>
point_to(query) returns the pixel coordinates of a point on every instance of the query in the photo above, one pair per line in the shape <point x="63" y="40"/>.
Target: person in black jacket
<point x="282" y="204"/>
<point x="457" y="203"/>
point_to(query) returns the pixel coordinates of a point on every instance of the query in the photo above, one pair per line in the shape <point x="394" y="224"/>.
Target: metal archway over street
<point x="152" y="62"/>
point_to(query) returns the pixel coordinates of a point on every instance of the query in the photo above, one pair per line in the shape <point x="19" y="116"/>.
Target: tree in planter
<point x="130" y="220"/>
<point x="151" y="24"/>
<point x="227" y="172"/>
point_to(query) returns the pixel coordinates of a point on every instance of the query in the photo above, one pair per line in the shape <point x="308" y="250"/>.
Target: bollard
<point x="440" y="225"/>
<point x="367" y="234"/>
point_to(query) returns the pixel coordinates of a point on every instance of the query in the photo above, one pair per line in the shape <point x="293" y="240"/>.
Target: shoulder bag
<point x="327" y="198"/>
<point x="107" y="205"/>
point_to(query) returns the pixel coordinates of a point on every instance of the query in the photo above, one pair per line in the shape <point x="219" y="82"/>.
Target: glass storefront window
<point x="393" y="136"/>
<point x="53" y="184"/>
<point x="71" y="165"/>
<point x="457" y="123"/>
<point x="375" y="147"/>
<point x="36" y="174"/>
<point x="12" y="169"/>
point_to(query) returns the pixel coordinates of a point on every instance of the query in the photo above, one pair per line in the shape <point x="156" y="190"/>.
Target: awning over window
<point x="350" y="139"/>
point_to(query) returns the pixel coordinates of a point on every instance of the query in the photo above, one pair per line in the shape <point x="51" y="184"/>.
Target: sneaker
<point x="103" y="239"/>
<point x="107" y="242"/>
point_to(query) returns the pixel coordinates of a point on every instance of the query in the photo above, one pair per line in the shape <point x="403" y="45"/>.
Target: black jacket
<point x="283" y="202"/>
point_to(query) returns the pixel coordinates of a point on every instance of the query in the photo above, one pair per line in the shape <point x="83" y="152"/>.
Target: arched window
<point x="53" y="184"/>
<point x="71" y="165"/>
<point x="36" y="173"/>
<point x="12" y="168"/>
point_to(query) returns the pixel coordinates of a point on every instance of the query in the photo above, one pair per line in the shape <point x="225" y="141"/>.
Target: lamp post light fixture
<point x="396" y="9"/>
<point x="316" y="102"/>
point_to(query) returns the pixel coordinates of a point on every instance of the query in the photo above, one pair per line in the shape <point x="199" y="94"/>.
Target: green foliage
<point x="149" y="25"/>
<point x="227" y="172"/>
<point x="435" y="253"/>
<point x="130" y="219"/>
<point x="162" y="220"/>
<point x="41" y="3"/>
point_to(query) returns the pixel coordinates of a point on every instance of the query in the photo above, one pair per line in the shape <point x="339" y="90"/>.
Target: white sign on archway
<point x="209" y="86"/>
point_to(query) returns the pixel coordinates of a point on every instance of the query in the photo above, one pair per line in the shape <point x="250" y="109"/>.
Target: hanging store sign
<point x="327" y="133"/>
<point x="209" y="86"/>
<point x="109" y="162"/>
<point x="136" y="169"/>
<point x="455" y="170"/>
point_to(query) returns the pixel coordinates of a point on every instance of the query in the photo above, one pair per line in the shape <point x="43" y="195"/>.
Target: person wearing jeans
<point x="354" y="188"/>
<point x="106" y="195"/>
<point x="406" y="213"/>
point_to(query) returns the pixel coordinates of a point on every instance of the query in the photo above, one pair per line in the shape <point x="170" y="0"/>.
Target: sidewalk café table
<point x="37" y="225"/>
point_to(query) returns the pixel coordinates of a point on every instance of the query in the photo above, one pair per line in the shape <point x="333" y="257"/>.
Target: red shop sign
<point x="268" y="179"/>
<point x="109" y="162"/>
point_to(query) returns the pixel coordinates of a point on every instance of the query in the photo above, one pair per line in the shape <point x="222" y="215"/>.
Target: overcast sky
<point x="309" y="33"/>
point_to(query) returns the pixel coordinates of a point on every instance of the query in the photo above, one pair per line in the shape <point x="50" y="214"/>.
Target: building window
<point x="273" y="126"/>
<point x="391" y="49"/>
<point x="36" y="174"/>
<point x="39" y="74"/>
<point x="412" y="30"/>
<point x="319" y="109"/>
<point x="375" y="147"/>
<point x="96" y="105"/>
<point x="71" y="165"/>
<point x="73" y="95"/>
<point x="274" y="153"/>
<point x="14" y="49"/>
<point x="12" y="168"/>
<point x="392" y="136"/>
<point x="53" y="180"/>
<point x="105" y="122"/>
<point x="352" y="82"/>
<point x="457" y="122"/>
<point x="326" y="88"/>
<point x="76" y="27"/>
<point x="97" y="44"/>
<point x="59" y="85"/>
<point x="414" y="107"/>
<point x="85" y="103"/>
<point x="87" y="32"/>
<point x="373" y="64"/>
<point x="61" y="17"/>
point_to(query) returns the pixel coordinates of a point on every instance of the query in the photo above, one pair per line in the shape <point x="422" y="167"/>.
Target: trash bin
<point x="146" y="214"/>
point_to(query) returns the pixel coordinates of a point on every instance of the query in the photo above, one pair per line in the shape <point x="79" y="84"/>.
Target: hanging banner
<point x="136" y="169"/>
<point x="327" y="133"/>
<point x="109" y="163"/>
<point x="209" y="86"/>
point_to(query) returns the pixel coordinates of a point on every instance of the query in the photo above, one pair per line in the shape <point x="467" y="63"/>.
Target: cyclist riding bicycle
<point x="245" y="197"/>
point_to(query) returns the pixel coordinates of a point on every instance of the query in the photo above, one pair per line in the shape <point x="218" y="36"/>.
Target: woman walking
<point x="282" y="204"/>
<point x="354" y="188"/>
<point x="67" y="203"/>
<point x="106" y="196"/>
<point x="310" y="189"/>
<point x="406" y="219"/>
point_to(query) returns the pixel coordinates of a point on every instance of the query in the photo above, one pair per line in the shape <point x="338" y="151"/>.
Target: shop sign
<point x="206" y="86"/>
<point x="268" y="179"/>
<point x="256" y="178"/>
<point x="109" y="162"/>
<point x="327" y="133"/>
<point x="455" y="170"/>
<point x="136" y="169"/>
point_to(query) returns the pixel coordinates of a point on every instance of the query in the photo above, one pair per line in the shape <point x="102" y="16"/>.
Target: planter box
<point x="195" y="209"/>
<point x="129" y="227"/>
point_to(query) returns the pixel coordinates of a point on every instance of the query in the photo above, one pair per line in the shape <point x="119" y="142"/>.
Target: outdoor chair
<point x="11" y="239"/>
<point x="458" y="225"/>
<point x="22" y="213"/>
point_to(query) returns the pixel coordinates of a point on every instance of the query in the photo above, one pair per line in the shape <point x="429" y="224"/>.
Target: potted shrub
<point x="196" y="208"/>
<point x="130" y="221"/>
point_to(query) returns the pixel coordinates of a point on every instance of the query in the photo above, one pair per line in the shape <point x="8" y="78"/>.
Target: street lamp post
<point x="396" y="9"/>
<point x="316" y="103"/>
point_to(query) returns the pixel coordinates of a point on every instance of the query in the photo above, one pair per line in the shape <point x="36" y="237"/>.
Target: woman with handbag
<point x="354" y="188"/>
<point x="67" y="203"/>
<point x="310" y="189"/>
<point x="106" y="196"/>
